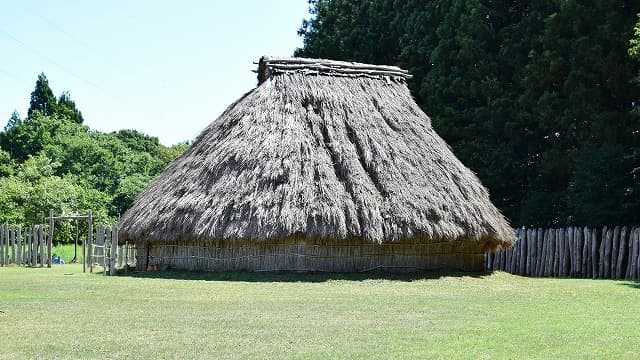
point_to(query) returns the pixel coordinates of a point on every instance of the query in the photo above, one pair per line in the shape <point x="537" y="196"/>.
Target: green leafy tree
<point x="54" y="162"/>
<point x="128" y="188"/>
<point x="7" y="165"/>
<point x="14" y="195"/>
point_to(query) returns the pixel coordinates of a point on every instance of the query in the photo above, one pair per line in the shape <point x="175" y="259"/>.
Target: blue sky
<point x="166" y="68"/>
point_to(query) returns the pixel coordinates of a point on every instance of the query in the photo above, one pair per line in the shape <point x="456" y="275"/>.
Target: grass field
<point x="63" y="313"/>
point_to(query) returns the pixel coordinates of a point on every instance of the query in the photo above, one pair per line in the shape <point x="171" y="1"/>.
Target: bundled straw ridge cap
<point x="269" y="66"/>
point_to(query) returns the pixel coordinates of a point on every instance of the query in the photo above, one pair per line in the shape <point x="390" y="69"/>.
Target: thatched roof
<point x="322" y="149"/>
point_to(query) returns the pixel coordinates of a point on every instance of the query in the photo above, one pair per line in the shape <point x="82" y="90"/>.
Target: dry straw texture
<point x="323" y="150"/>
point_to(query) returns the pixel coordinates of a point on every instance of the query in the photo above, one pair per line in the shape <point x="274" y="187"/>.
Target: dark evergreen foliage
<point x="42" y="98"/>
<point x="537" y="97"/>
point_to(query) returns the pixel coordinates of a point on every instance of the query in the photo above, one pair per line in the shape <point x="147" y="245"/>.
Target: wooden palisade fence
<point x="32" y="247"/>
<point x="613" y="253"/>
<point x="106" y="252"/>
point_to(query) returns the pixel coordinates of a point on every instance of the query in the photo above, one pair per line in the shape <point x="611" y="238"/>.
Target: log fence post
<point x="594" y="253"/>
<point x="607" y="253"/>
<point x="1" y="244"/>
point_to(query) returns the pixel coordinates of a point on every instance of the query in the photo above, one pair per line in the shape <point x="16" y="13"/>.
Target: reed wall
<point x="292" y="254"/>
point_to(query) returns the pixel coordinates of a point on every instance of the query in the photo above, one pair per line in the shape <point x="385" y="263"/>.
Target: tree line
<point x="539" y="98"/>
<point x="51" y="160"/>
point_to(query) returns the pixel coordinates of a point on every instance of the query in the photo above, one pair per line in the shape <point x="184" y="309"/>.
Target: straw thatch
<point x="319" y="150"/>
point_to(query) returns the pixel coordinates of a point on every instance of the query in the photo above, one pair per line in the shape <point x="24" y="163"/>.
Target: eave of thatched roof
<point x="321" y="149"/>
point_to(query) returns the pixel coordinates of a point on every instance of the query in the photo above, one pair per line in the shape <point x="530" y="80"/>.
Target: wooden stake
<point x="530" y="241"/>
<point x="629" y="253"/>
<point x="5" y="251"/>
<point x="594" y="254"/>
<point x="577" y="250"/>
<point x="637" y="254"/>
<point x="50" y="239"/>
<point x="41" y="241"/>
<point x="601" y="252"/>
<point x="567" y="252"/>
<point x="577" y="233"/>
<point x="522" y="253"/>
<point x="634" y="255"/>
<point x="537" y="250"/>
<point x="585" y="252"/>
<point x="556" y="252"/>
<point x="539" y="242"/>
<point x="89" y="242"/>
<point x="570" y="252"/>
<point x="12" y="245"/>
<point x="114" y="249"/>
<point x="552" y="250"/>
<point x="34" y="246"/>
<point x="614" y="251"/>
<point x="621" y="253"/>
<point x="19" y="244"/>
<point x="2" y="244"/>
<point x="607" y="238"/>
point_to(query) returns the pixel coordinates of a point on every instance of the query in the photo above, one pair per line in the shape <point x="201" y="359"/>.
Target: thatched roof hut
<point x="325" y="165"/>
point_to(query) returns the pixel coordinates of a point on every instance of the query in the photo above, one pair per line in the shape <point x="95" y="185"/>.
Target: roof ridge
<point x="269" y="66"/>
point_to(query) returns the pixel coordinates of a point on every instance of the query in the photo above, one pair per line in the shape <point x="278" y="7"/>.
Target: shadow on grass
<point x="631" y="284"/>
<point x="286" y="276"/>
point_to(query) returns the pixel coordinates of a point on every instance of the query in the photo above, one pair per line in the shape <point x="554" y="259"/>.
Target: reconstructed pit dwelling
<point x="324" y="166"/>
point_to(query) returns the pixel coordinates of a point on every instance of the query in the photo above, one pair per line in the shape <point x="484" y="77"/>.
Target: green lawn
<point x="63" y="313"/>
